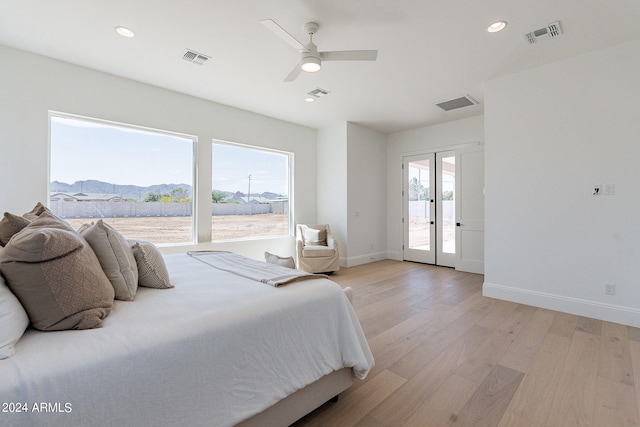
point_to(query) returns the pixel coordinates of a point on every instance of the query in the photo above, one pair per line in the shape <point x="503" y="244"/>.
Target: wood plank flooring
<point x="447" y="356"/>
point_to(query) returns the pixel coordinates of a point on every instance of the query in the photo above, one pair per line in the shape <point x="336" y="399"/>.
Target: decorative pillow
<point x="56" y="276"/>
<point x="115" y="256"/>
<point x="152" y="270"/>
<point x="13" y="321"/>
<point x="38" y="210"/>
<point x="283" y="261"/>
<point x="10" y="225"/>
<point x="314" y="237"/>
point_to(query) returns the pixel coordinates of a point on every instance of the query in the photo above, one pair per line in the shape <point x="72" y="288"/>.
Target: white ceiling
<point x="428" y="50"/>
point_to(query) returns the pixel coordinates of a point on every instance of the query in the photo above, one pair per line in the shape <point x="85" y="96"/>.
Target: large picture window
<point x="251" y="190"/>
<point x="139" y="181"/>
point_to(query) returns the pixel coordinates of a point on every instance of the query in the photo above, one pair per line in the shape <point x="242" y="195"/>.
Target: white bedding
<point x="216" y="349"/>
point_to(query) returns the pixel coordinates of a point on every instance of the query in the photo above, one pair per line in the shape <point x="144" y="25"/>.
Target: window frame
<point x="290" y="187"/>
<point x="139" y="128"/>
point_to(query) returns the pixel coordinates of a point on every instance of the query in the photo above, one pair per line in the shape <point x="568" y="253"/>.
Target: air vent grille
<point x="318" y="92"/>
<point x="195" y="57"/>
<point x="550" y="31"/>
<point x="455" y="103"/>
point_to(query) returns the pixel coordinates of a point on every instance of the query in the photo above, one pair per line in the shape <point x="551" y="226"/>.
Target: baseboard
<point x="395" y="255"/>
<point x="596" y="310"/>
<point x="364" y="259"/>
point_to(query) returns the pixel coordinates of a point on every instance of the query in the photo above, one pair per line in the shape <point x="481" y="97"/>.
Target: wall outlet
<point x="609" y="288"/>
<point x="609" y="189"/>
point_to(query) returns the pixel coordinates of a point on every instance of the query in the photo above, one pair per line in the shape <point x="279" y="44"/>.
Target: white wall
<point x="367" y="188"/>
<point x="31" y="85"/>
<point x="332" y="183"/>
<point x="551" y="134"/>
<point x="418" y="141"/>
<point x="351" y="190"/>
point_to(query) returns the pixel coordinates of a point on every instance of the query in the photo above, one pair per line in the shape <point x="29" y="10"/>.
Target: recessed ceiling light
<point x="124" y="31"/>
<point x="309" y="99"/>
<point x="497" y="26"/>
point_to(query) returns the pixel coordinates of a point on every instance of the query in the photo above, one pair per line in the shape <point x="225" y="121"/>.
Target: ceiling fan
<point x="311" y="59"/>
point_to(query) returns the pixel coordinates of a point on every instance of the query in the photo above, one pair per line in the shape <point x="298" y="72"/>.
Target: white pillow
<point x="13" y="321"/>
<point x="279" y="260"/>
<point x="313" y="237"/>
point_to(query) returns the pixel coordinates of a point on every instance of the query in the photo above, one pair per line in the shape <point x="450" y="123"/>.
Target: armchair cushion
<point x="317" y="251"/>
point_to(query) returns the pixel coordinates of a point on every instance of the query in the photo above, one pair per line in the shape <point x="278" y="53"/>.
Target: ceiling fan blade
<point x="283" y="34"/>
<point x="294" y="73"/>
<point x="350" y="55"/>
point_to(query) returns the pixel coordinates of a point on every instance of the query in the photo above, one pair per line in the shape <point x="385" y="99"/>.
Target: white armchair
<point x="317" y="249"/>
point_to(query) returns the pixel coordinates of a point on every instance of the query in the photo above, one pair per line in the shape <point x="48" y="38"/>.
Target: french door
<point x="439" y="190"/>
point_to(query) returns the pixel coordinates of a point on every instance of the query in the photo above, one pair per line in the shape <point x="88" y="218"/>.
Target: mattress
<point x="215" y="350"/>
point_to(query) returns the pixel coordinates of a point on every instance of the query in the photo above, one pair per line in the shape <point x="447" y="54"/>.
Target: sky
<point x="84" y="150"/>
<point x="233" y="164"/>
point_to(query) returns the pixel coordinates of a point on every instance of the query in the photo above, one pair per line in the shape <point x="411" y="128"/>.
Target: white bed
<point x="216" y="350"/>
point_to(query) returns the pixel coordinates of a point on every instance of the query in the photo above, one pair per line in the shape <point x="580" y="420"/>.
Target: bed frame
<point x="297" y="405"/>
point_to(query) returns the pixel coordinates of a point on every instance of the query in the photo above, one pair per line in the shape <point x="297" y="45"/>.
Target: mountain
<point x="133" y="192"/>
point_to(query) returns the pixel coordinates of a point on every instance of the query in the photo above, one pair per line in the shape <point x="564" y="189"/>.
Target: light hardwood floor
<point x="447" y="356"/>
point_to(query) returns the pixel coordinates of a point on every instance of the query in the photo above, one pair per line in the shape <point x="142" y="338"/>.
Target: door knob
<point x="458" y="224"/>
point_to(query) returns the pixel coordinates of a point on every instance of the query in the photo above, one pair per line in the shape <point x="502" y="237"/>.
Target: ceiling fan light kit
<point x="311" y="64"/>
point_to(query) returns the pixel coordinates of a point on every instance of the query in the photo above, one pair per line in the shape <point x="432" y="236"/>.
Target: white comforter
<point x="216" y="349"/>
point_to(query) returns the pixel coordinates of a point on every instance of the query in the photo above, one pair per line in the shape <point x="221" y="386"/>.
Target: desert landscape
<point x="171" y="230"/>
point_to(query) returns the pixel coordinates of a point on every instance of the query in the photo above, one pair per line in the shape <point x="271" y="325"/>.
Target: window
<point x="251" y="189"/>
<point x="140" y="181"/>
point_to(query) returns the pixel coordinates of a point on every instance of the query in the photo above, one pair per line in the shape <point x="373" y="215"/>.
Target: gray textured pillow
<point x="115" y="256"/>
<point x="283" y="261"/>
<point x="56" y="276"/>
<point x="152" y="270"/>
<point x="10" y="225"/>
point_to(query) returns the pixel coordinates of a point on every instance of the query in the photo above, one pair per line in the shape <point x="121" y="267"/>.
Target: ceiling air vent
<point x="455" y="103"/>
<point x="195" y="57"/>
<point x="317" y="93"/>
<point x="550" y="31"/>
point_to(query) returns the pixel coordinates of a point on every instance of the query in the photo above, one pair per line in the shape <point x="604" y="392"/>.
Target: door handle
<point x="458" y="224"/>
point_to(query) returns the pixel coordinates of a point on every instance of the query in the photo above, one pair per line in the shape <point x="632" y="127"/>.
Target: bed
<point x="218" y="349"/>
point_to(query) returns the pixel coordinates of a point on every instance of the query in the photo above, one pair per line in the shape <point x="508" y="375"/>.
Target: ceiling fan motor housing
<point x="311" y="28"/>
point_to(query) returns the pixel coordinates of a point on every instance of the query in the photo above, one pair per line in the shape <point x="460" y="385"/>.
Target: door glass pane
<point x="448" y="168"/>
<point x="419" y="216"/>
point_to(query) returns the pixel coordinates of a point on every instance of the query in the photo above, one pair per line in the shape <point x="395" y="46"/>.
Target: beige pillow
<point x="314" y="237"/>
<point x="152" y="270"/>
<point x="38" y="210"/>
<point x="115" y="256"/>
<point x="10" y="225"/>
<point x="283" y="261"/>
<point x="56" y="276"/>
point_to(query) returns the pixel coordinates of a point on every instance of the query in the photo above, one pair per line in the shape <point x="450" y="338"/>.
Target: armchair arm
<point x="331" y="242"/>
<point x="299" y="246"/>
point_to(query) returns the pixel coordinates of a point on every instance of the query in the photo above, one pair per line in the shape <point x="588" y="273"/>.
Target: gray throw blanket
<point x="271" y="274"/>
